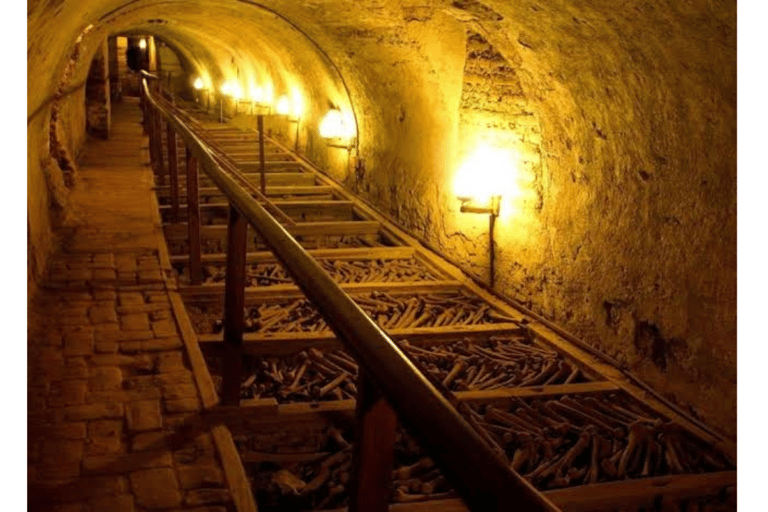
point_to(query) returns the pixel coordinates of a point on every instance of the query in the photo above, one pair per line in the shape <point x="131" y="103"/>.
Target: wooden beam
<point x="278" y="292"/>
<point x="330" y="209"/>
<point x="373" y="450"/>
<point x="344" y="254"/>
<point x="234" y="306"/>
<point x="277" y="190"/>
<point x="266" y="408"/>
<point x="176" y="231"/>
<point x="289" y="343"/>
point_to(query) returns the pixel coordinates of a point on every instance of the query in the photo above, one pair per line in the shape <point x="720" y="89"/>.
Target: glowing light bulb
<point x="298" y="103"/>
<point x="283" y="106"/>
<point x="488" y="171"/>
<point x="143" y="44"/>
<point x="269" y="94"/>
<point x="237" y="91"/>
<point x="256" y="93"/>
<point x="334" y="126"/>
<point x="198" y="84"/>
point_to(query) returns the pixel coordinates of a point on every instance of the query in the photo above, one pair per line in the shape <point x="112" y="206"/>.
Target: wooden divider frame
<point x="482" y="478"/>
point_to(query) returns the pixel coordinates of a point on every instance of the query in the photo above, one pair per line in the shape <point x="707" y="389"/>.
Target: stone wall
<point x="97" y="96"/>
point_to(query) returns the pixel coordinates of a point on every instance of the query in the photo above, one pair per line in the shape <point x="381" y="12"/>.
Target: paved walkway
<point x="112" y="402"/>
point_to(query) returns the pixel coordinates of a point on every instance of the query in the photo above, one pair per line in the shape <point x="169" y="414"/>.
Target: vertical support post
<point x="149" y="125"/>
<point x="173" y="171"/>
<point x="296" y="145"/>
<point x="142" y="107"/>
<point x="492" y="249"/>
<point x="373" y="450"/>
<point x="193" y="221"/>
<point x="262" y="165"/>
<point x="495" y="206"/>
<point x="158" y="131"/>
<point x="234" y="306"/>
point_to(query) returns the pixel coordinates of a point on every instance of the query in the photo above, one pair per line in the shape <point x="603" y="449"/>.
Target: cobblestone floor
<point x="113" y="408"/>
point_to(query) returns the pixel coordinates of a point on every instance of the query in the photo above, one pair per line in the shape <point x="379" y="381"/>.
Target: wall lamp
<point x="336" y="132"/>
<point x="492" y="210"/>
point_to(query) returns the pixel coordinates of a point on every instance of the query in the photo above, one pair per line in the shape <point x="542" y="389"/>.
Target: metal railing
<point x="389" y="382"/>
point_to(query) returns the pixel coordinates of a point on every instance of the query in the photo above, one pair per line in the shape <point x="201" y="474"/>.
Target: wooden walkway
<point x="113" y="407"/>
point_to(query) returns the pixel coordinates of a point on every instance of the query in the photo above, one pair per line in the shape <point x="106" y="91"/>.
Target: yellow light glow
<point x="332" y="125"/>
<point x="297" y="102"/>
<point x="269" y="94"/>
<point x="198" y="84"/>
<point x="237" y="91"/>
<point x="283" y="106"/>
<point x="256" y="93"/>
<point x="232" y="88"/>
<point x="488" y="171"/>
<point x="143" y="44"/>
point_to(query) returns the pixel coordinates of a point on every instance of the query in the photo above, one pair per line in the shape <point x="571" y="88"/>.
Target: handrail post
<point x="173" y="171"/>
<point x="149" y="125"/>
<point x="373" y="449"/>
<point x="262" y="165"/>
<point x="143" y="107"/>
<point x="234" y="305"/>
<point x="193" y="221"/>
<point x="158" y="131"/>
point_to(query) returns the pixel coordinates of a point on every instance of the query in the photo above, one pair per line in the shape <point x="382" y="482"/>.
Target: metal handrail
<point x="482" y="477"/>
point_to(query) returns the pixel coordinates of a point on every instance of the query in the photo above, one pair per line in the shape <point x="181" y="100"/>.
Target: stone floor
<point x="113" y="408"/>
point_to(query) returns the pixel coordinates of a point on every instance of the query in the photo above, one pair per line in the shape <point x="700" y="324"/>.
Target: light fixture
<point x="336" y="129"/>
<point x="283" y="106"/>
<point x="480" y="183"/>
<point x="143" y="43"/>
<point x="198" y="84"/>
<point x="256" y="93"/>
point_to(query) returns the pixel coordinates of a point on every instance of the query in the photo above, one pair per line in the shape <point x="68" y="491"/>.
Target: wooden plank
<point x="285" y="344"/>
<point x="195" y="355"/>
<point x="330" y="209"/>
<point x="234" y="306"/>
<point x="261" y="294"/>
<point x="505" y="394"/>
<point x="193" y="224"/>
<point x="237" y="481"/>
<point x="281" y="179"/>
<point x="344" y="254"/>
<point x="177" y="231"/>
<point x="277" y="190"/>
<point x="266" y="408"/>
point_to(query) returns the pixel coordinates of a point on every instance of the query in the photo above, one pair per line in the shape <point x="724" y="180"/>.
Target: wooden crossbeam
<point x="274" y="190"/>
<point x="175" y="232"/>
<point x="289" y="343"/>
<point x="344" y="254"/>
<point x="280" y="292"/>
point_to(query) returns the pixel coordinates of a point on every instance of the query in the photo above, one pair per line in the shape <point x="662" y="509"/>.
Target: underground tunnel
<point x="436" y="255"/>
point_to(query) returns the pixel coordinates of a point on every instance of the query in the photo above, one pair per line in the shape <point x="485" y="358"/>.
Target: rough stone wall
<point x="115" y="86"/>
<point x="97" y="97"/>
